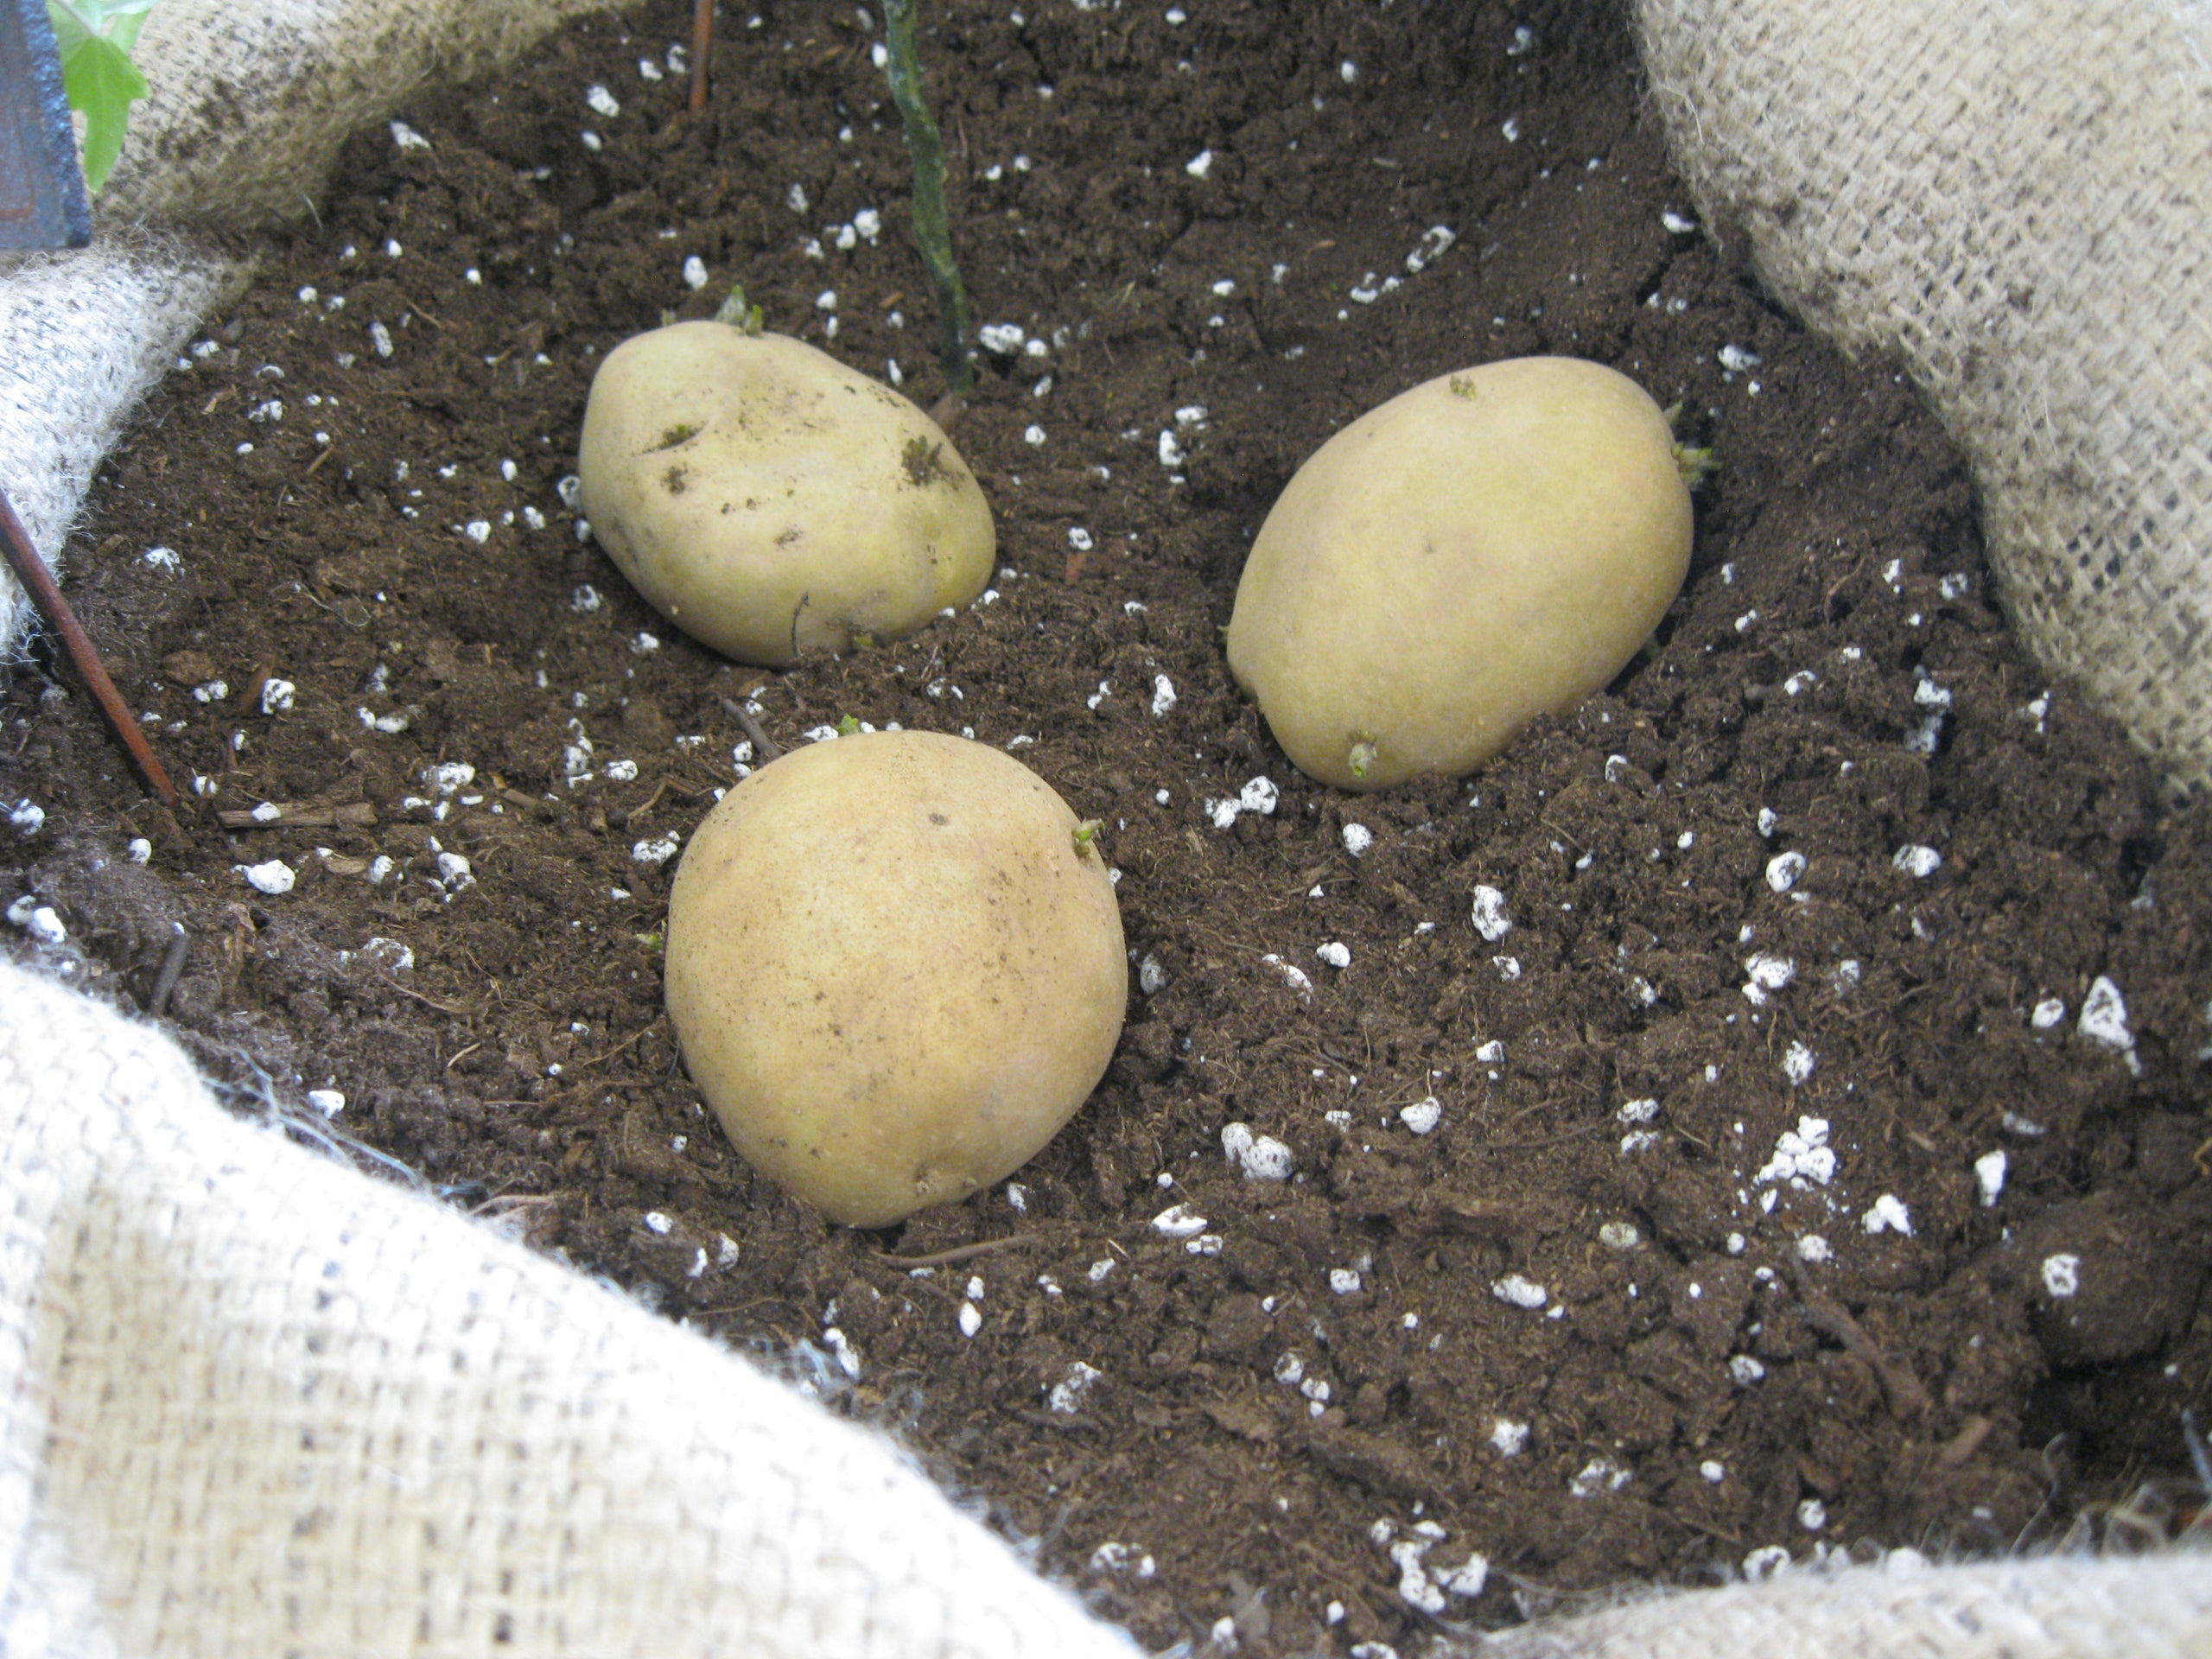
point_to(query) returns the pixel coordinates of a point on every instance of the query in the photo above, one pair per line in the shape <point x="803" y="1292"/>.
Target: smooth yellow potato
<point x="770" y="501"/>
<point x="895" y="969"/>
<point x="1490" y="546"/>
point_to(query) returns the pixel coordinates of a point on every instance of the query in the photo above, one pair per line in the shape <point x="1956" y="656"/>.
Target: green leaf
<point x="95" y="37"/>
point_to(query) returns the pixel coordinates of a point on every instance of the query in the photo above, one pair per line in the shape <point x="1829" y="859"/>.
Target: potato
<point x="770" y="501"/>
<point x="1490" y="546"/>
<point x="895" y="968"/>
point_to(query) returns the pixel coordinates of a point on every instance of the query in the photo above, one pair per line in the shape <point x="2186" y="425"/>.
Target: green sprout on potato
<point x="746" y="318"/>
<point x="1695" y="465"/>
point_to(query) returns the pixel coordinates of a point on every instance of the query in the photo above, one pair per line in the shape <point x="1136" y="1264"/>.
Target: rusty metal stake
<point x="38" y="582"/>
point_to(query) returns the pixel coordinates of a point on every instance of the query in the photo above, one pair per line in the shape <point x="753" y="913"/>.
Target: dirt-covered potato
<point x="770" y="501"/>
<point x="1490" y="546"/>
<point x="895" y="967"/>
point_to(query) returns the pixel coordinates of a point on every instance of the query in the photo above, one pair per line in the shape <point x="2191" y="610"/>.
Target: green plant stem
<point x="926" y="146"/>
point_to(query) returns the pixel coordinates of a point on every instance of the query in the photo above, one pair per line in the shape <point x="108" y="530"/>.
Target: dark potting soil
<point x="1817" y="1161"/>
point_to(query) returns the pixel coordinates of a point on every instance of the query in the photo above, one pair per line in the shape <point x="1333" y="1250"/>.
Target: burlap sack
<point x="252" y="1403"/>
<point x="2015" y="196"/>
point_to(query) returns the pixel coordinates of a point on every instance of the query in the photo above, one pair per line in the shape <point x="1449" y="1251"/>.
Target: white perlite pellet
<point x="2104" y="1021"/>
<point x="38" y="920"/>
<point x="1178" y="1221"/>
<point x="1989" y="1172"/>
<point x="1422" y="1115"/>
<point x="274" y="877"/>
<point x="1800" y="1155"/>
<point x="1888" y="1214"/>
<point x="1066" y="1395"/>
<point x="1919" y="862"/>
<point x="1764" y="975"/>
<point x="1489" y="915"/>
<point x="1519" y="1292"/>
<point x="1596" y="1476"/>
<point x="1797" y="1064"/>
<point x="1257" y="1157"/>
<point x="1292" y="976"/>
<point x="1260" y="796"/>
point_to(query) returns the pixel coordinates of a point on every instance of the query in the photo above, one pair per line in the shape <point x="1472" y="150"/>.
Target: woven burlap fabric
<point x="251" y="100"/>
<point x="83" y="337"/>
<point x="252" y="1403"/>
<point x="2057" y="1608"/>
<point x="2015" y="197"/>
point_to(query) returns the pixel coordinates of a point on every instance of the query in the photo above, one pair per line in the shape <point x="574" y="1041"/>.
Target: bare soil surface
<point x="1817" y="1161"/>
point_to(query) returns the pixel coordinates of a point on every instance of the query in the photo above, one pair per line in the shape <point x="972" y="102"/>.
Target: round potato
<point x="896" y="969"/>
<point x="1490" y="546"/>
<point x="770" y="501"/>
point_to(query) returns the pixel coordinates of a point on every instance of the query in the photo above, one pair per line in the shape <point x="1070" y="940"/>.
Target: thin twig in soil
<point x="1583" y="1133"/>
<point x="959" y="1252"/>
<point x="505" y="1202"/>
<point x="626" y="1043"/>
<point x="46" y="594"/>
<point x="763" y="745"/>
<point x="625" y="819"/>
<point x="172" y="970"/>
<point x="427" y="1002"/>
<point x="1964" y="1444"/>
<point x="1828" y="1316"/>
<point x="358" y="815"/>
<point x="703" y="43"/>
